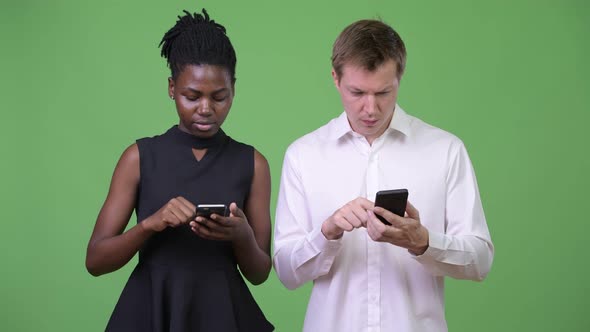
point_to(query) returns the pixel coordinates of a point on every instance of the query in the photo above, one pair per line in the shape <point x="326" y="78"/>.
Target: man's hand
<point x="406" y="232"/>
<point x="352" y="215"/>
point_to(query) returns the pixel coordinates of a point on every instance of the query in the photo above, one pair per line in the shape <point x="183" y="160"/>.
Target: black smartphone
<point x="206" y="210"/>
<point x="392" y="200"/>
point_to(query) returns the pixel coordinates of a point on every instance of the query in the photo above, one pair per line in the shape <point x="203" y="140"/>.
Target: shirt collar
<point x="400" y="122"/>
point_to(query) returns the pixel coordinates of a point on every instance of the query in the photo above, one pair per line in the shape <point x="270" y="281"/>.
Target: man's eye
<point x="192" y="98"/>
<point x="357" y="93"/>
<point x="220" y="99"/>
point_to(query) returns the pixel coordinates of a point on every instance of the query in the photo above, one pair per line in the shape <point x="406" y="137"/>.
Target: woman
<point x="187" y="278"/>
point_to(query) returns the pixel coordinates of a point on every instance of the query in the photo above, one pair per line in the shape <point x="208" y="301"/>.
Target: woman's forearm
<point x="254" y="263"/>
<point x="110" y="254"/>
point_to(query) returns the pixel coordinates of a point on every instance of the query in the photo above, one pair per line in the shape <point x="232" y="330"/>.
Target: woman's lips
<point x="203" y="126"/>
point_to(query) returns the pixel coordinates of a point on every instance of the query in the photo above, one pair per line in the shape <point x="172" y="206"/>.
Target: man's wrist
<point x="419" y="251"/>
<point x="422" y="247"/>
<point x="329" y="233"/>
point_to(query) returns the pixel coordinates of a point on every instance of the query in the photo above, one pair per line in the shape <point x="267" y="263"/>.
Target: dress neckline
<point x="198" y="142"/>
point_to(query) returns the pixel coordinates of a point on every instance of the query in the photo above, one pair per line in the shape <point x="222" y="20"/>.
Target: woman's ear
<point x="171" y="88"/>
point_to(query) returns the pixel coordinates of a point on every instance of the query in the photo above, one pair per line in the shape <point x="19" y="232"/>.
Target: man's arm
<point x="301" y="251"/>
<point x="465" y="249"/>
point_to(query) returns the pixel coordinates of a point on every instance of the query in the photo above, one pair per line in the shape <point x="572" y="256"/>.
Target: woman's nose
<point x="204" y="108"/>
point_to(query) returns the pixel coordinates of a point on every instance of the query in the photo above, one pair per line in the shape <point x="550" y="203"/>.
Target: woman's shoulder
<point x="249" y="150"/>
<point x="155" y="138"/>
<point x="239" y="147"/>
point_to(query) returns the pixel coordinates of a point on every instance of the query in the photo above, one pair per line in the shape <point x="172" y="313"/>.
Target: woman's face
<point x="203" y="95"/>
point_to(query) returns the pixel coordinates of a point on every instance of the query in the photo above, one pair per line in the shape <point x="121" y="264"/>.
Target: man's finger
<point x="412" y="211"/>
<point x="393" y="218"/>
<point x="343" y="224"/>
<point x="365" y="203"/>
<point x="376" y="229"/>
<point x="372" y="233"/>
<point x="355" y="217"/>
<point x="374" y="223"/>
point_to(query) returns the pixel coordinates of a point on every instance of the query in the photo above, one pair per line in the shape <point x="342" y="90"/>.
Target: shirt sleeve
<point x="301" y="251"/>
<point x="465" y="249"/>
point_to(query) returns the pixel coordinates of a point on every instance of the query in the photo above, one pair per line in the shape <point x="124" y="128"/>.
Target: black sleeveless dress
<point x="183" y="282"/>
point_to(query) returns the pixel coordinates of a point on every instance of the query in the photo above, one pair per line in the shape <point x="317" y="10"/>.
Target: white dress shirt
<point x="360" y="284"/>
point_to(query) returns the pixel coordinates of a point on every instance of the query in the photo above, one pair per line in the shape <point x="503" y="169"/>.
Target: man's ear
<point x="170" y="87"/>
<point x="335" y="78"/>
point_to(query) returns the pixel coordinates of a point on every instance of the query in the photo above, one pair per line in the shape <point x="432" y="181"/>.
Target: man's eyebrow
<point x="356" y="89"/>
<point x="353" y="88"/>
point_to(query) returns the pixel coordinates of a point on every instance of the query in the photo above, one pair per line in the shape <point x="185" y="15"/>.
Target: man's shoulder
<point x="424" y="132"/>
<point x="316" y="138"/>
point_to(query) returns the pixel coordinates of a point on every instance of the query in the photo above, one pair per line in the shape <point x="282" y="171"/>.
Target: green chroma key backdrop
<point x="81" y="80"/>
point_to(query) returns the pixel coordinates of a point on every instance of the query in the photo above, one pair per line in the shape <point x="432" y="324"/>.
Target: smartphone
<point x="206" y="210"/>
<point x="393" y="200"/>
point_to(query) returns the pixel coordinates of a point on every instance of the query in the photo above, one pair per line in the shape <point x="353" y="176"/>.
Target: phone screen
<point x="206" y="210"/>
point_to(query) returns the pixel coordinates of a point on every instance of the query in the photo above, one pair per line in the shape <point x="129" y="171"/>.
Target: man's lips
<point x="369" y="123"/>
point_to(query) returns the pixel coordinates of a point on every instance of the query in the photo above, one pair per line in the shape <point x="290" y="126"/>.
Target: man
<point x="369" y="276"/>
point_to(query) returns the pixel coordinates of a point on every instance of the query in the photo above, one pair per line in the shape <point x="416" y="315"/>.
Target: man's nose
<point x="370" y="104"/>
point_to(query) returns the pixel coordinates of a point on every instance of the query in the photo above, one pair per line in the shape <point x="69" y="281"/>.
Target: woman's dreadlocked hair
<point x="197" y="40"/>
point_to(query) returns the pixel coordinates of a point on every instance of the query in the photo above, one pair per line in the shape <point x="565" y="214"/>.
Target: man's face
<point x="368" y="97"/>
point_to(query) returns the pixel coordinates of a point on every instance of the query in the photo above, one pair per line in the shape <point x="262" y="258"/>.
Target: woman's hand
<point x="176" y="212"/>
<point x="234" y="228"/>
